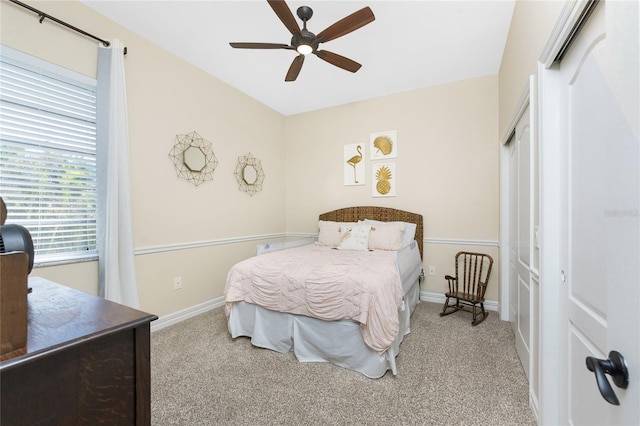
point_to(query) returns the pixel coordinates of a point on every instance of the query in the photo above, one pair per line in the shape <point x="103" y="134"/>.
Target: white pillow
<point x="355" y="237"/>
<point x="387" y="236"/>
<point x="330" y="233"/>
<point x="409" y="230"/>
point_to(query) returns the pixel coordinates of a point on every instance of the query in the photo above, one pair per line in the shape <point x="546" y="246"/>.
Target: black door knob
<point x="613" y="366"/>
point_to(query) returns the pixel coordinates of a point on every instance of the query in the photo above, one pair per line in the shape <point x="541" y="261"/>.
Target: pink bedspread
<point x="324" y="283"/>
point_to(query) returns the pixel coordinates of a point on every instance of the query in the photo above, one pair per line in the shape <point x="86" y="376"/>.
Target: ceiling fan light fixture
<point x="304" y="49"/>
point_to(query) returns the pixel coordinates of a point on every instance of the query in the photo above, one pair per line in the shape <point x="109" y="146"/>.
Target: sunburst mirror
<point x="249" y="174"/>
<point x="193" y="157"/>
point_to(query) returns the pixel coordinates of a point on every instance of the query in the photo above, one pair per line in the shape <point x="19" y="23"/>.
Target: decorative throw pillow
<point x="330" y="233"/>
<point x="355" y="237"/>
<point x="386" y="236"/>
<point x="409" y="229"/>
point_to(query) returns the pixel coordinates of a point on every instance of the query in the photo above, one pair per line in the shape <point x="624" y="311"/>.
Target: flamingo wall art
<point x="353" y="164"/>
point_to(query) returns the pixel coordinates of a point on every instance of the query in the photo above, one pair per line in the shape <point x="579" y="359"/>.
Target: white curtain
<point x="117" y="274"/>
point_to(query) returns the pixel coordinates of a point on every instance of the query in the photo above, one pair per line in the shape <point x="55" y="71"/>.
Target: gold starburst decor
<point x="249" y="174"/>
<point x="193" y="158"/>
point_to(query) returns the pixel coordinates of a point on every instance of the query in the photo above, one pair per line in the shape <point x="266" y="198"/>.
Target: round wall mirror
<point x="249" y="174"/>
<point x="194" y="158"/>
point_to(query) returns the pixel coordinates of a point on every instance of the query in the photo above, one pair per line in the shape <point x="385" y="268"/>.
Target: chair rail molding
<point x="206" y="243"/>
<point x="140" y="251"/>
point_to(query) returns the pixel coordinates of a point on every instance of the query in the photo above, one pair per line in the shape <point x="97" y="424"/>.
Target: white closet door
<point x="599" y="221"/>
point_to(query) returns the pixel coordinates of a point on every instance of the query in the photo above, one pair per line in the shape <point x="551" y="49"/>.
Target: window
<point x="48" y="155"/>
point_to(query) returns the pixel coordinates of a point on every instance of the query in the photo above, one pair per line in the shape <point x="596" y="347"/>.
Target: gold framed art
<point x="354" y="173"/>
<point x="383" y="145"/>
<point x="383" y="180"/>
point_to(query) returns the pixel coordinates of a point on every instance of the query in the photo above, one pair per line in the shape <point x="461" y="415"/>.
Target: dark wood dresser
<point x="87" y="362"/>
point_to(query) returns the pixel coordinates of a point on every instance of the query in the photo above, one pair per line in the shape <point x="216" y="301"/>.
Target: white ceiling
<point x="410" y="45"/>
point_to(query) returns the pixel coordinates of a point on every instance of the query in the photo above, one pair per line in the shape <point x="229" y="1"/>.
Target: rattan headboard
<point x="354" y="214"/>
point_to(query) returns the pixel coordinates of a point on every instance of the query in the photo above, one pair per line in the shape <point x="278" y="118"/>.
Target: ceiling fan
<point x="305" y="42"/>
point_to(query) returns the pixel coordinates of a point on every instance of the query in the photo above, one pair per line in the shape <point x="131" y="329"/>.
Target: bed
<point x="342" y="298"/>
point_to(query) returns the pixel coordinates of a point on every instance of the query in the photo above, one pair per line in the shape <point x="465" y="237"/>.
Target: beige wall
<point x="447" y="168"/>
<point x="531" y="26"/>
<point x="167" y="97"/>
<point x="447" y="165"/>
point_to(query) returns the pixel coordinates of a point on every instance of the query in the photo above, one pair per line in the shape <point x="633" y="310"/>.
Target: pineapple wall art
<point x="383" y="145"/>
<point x="353" y="164"/>
<point x="383" y="180"/>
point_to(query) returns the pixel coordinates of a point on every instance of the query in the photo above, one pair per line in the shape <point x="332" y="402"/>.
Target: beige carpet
<point x="448" y="373"/>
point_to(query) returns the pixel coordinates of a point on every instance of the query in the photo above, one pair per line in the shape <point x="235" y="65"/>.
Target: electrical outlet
<point x="177" y="283"/>
<point x="432" y="270"/>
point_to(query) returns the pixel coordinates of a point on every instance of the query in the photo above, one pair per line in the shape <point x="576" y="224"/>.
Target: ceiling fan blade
<point x="338" y="60"/>
<point x="346" y="25"/>
<point x="284" y="13"/>
<point x="295" y="68"/>
<point x="260" y="46"/>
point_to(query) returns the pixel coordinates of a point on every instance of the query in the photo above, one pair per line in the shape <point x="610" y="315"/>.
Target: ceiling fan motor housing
<point x="307" y="38"/>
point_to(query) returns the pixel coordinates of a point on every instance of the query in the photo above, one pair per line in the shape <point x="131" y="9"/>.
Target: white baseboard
<point x="427" y="296"/>
<point x="176" y="317"/>
<point x="533" y="404"/>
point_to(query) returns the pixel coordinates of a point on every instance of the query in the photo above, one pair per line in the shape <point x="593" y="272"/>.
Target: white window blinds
<point x="48" y="155"/>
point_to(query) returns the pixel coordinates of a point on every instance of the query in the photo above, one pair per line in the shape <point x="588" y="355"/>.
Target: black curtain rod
<point x="43" y="15"/>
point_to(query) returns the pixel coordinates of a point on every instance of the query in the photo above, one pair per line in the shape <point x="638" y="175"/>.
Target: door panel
<point x="588" y="105"/>
<point x="582" y="389"/>
<point x="523" y="135"/>
<point x="513" y="234"/>
<point x="524" y="315"/>
<point x="600" y="234"/>
<point x="519" y="238"/>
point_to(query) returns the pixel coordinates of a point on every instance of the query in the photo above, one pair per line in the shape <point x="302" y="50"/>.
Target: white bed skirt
<point x="314" y="340"/>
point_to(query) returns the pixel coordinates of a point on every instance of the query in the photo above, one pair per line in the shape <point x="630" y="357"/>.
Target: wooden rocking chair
<point x="469" y="285"/>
